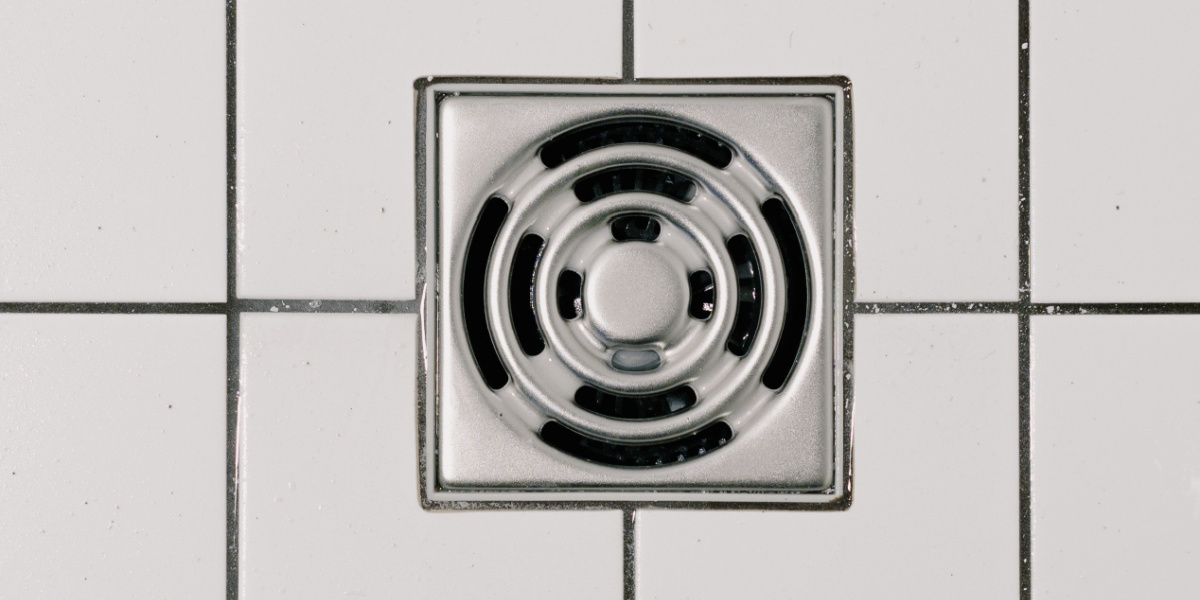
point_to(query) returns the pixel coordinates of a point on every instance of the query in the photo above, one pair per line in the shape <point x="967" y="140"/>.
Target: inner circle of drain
<point x="636" y="293"/>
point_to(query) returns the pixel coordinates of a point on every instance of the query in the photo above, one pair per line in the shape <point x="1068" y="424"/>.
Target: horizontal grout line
<point x="214" y="308"/>
<point x="329" y="306"/>
<point x="1042" y="308"/>
<point x="105" y="308"/>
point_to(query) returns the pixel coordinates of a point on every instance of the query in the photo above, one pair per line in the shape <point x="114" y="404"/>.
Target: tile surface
<point x="112" y="456"/>
<point x="1115" y="209"/>
<point x="112" y="160"/>
<point x="329" y="496"/>
<point x="935" y="503"/>
<point x="935" y="116"/>
<point x="1116" y="468"/>
<point x="325" y="124"/>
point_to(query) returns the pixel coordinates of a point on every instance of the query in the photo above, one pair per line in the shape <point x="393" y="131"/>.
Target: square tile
<point x="1114" y="198"/>
<point x="329" y="503"/>
<point x="935" y="120"/>
<point x="515" y="407"/>
<point x="112" y="450"/>
<point x="325" y="113"/>
<point x="1116" y="457"/>
<point x="935" y="511"/>
<point x="112" y="166"/>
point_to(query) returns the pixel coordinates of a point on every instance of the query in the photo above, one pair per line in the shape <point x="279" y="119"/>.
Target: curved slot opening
<point x="634" y="179"/>
<point x="791" y="336"/>
<point x="635" y="228"/>
<point x="570" y="295"/>
<point x="749" y="282"/>
<point x="703" y="295"/>
<point x="636" y="455"/>
<point x="635" y="407"/>
<point x="479" y="250"/>
<point x="520" y="294"/>
<point x="636" y="131"/>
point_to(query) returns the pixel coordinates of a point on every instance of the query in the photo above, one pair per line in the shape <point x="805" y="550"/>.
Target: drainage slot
<point x="570" y="295"/>
<point x="635" y="361"/>
<point x="636" y="455"/>
<point x="638" y="228"/>
<point x="635" y="407"/>
<point x="636" y="131"/>
<point x="787" y="235"/>
<point x="479" y="249"/>
<point x="634" y="179"/>
<point x="520" y="294"/>
<point x="703" y="295"/>
<point x="745" y="323"/>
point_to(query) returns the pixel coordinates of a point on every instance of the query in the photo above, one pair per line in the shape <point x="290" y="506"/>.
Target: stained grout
<point x="232" y="316"/>
<point x="1026" y="306"/>
<point x="629" y="543"/>
<point x="627" y="25"/>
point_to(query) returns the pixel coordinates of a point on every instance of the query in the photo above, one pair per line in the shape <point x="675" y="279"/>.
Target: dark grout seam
<point x="629" y="543"/>
<point x="232" y="315"/>
<point x="1026" y="308"/>
<point x="627" y="25"/>
<point x="215" y="308"/>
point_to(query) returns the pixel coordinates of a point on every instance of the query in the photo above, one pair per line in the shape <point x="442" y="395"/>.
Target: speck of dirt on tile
<point x="1118" y="207"/>
<point x="170" y="406"/>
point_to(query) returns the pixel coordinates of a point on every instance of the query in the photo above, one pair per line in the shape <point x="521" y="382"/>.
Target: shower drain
<point x="633" y="292"/>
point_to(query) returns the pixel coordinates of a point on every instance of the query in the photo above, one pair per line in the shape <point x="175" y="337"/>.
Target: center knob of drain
<point x="635" y="293"/>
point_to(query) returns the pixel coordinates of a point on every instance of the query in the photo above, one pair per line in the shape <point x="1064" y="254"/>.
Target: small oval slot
<point x="638" y="228"/>
<point x="703" y="295"/>
<point x="570" y="295"/>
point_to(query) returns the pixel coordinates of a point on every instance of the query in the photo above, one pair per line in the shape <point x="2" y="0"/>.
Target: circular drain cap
<point x="636" y="293"/>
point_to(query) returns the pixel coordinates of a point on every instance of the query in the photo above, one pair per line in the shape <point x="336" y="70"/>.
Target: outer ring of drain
<point x="717" y="399"/>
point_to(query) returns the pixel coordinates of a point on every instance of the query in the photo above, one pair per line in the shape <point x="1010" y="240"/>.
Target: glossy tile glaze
<point x="112" y="451"/>
<point x="1115" y="202"/>
<point x="325" y="125"/>
<point x="112" y="152"/>
<point x="935" y="116"/>
<point x="1116" y="395"/>
<point x="329" y="503"/>
<point x="934" y="500"/>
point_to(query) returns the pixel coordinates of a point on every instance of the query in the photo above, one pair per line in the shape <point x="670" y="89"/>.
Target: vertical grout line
<point x="629" y="517"/>
<point x="1025" y="306"/>
<point x="1024" y="487"/>
<point x="627" y="40"/>
<point x="232" y="316"/>
<point x="1025" y="251"/>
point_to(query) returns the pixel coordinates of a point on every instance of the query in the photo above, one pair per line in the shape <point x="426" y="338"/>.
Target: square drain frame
<point x="492" y="469"/>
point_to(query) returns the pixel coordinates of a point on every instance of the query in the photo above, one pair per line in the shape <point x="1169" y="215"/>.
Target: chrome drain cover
<point x="633" y="292"/>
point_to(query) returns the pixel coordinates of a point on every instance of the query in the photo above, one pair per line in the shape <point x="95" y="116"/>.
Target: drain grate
<point x="642" y="285"/>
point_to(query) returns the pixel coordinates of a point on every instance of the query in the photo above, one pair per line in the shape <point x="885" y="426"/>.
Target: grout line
<point x="935" y="307"/>
<point x="627" y="40"/>
<point x="116" y="308"/>
<point x="1024" y="209"/>
<point x="232" y="316"/>
<point x="1027" y="307"/>
<point x="629" y="518"/>
<point x="1024" y="489"/>
<point x="328" y="306"/>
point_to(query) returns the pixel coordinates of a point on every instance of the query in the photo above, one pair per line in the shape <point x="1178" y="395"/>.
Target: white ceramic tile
<point x="329" y="504"/>
<point x="1115" y="206"/>
<point x="325" y="121"/>
<point x="935" y="512"/>
<point x="935" y="121"/>
<point x="112" y="456"/>
<point x="1116" y="457"/>
<point x="112" y="151"/>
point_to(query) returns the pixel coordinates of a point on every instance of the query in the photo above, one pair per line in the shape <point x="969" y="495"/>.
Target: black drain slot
<point x="634" y="179"/>
<point x="636" y="455"/>
<point x="520" y="294"/>
<point x="703" y="295"/>
<point x="635" y="407"/>
<point x="570" y="295"/>
<point x="795" y="320"/>
<point x="637" y="228"/>
<point x="474" y="272"/>
<point x="636" y="131"/>
<point x="749" y="307"/>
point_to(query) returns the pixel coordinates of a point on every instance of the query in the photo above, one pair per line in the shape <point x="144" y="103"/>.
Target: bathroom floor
<point x="209" y="302"/>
